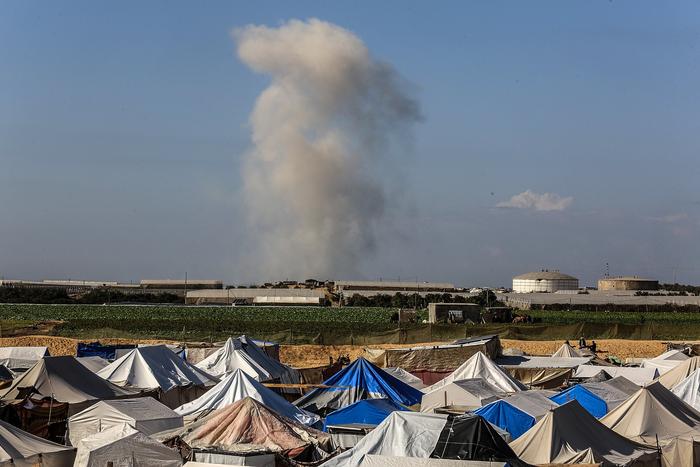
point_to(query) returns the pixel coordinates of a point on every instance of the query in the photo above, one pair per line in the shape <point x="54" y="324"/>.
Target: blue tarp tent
<point x="366" y="412"/>
<point x="510" y="418"/>
<point x="361" y="380"/>
<point x="95" y="349"/>
<point x="593" y="404"/>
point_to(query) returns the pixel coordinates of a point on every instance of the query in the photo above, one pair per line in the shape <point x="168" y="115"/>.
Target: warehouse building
<point x="257" y="296"/>
<point x="544" y="281"/>
<point x="373" y="288"/>
<point x="627" y="283"/>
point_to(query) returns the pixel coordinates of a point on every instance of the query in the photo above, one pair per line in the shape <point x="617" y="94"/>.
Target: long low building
<point x="593" y="297"/>
<point x="254" y="296"/>
<point x="395" y="286"/>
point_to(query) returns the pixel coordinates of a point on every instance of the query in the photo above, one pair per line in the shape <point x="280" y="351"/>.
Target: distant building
<point x="373" y="288"/>
<point x="257" y="296"/>
<point x="454" y="312"/>
<point x="627" y="283"/>
<point x="544" y="281"/>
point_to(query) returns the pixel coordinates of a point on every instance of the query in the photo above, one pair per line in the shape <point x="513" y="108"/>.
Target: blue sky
<point x="123" y="125"/>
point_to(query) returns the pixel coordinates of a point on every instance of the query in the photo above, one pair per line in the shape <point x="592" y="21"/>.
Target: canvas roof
<point x="480" y="366"/>
<point x="674" y="376"/>
<point x="568" y="351"/>
<point x="249" y="426"/>
<point x="406" y="377"/>
<point x="469" y="393"/>
<point x="143" y="413"/>
<point x="518" y="412"/>
<point x="21" y="358"/>
<point x="371" y="460"/>
<point x="64" y="379"/>
<point x="569" y="434"/>
<point x="599" y="398"/>
<point x="360" y="380"/>
<point x="369" y="412"/>
<point x="653" y="411"/>
<point x="541" y="362"/>
<point x="638" y="376"/>
<point x="124" y="442"/>
<point x="237" y="386"/>
<point x="20" y="448"/>
<point x="423" y="435"/>
<point x="688" y="390"/>
<point x="93" y="363"/>
<point x="666" y="361"/>
<point x="242" y="353"/>
<point x="154" y="367"/>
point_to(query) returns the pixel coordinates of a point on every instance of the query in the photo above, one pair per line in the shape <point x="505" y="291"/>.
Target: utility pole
<point x="185" y="299"/>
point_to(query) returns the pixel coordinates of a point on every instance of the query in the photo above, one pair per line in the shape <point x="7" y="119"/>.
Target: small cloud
<point x="539" y="202"/>
<point x="670" y="218"/>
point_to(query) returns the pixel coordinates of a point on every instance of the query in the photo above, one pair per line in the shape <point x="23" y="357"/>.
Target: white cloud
<point x="537" y="201"/>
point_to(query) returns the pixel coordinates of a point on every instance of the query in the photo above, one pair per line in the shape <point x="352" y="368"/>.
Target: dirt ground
<point x="316" y="355"/>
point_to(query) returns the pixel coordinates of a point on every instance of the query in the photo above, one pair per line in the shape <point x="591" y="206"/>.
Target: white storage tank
<point x="544" y="281"/>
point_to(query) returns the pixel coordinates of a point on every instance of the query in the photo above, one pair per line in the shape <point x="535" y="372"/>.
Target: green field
<point x="356" y="325"/>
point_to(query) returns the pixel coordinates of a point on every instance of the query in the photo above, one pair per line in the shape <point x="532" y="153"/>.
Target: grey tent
<point x="465" y="394"/>
<point x="65" y="380"/>
<point x="21" y="358"/>
<point x="21" y="449"/>
<point x="93" y="363"/>
<point x="568" y="434"/>
<point x="144" y="413"/>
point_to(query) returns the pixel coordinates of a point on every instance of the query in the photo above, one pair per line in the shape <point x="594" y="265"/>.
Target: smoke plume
<point x="313" y="181"/>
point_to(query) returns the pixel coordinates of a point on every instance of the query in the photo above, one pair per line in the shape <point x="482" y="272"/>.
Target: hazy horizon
<point x="464" y="142"/>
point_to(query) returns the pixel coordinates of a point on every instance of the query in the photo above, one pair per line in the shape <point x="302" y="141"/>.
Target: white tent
<point x="688" y="390"/>
<point x="673" y="377"/>
<point x="468" y="394"/>
<point x="654" y="413"/>
<point x="21" y="358"/>
<point x="158" y="368"/>
<point x="666" y="361"/>
<point x="22" y="449"/>
<point x="242" y="353"/>
<point x="93" y="363"/>
<point x="372" y="460"/>
<point x="144" y="414"/>
<point x="639" y="376"/>
<point x="122" y="445"/>
<point x="569" y="434"/>
<point x="406" y="377"/>
<point x="480" y="366"/>
<point x="239" y="385"/>
<point x="567" y="351"/>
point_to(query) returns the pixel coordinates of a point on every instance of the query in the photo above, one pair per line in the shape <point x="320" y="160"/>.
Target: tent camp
<point x="350" y="424"/>
<point x="406" y="377"/>
<point x="247" y="429"/>
<point x="666" y="361"/>
<point x="433" y="363"/>
<point x="654" y="413"/>
<point x="64" y="380"/>
<point x="518" y="412"/>
<point x="371" y="460"/>
<point x="144" y="414"/>
<point x="422" y="435"/>
<point x="93" y="363"/>
<point x="242" y="353"/>
<point x="360" y="380"/>
<point x="122" y="445"/>
<point x="237" y="386"/>
<point x="567" y="351"/>
<point x="22" y="449"/>
<point x="600" y="397"/>
<point x="463" y="394"/>
<point x="158" y="368"/>
<point x="480" y="366"/>
<point x="21" y="358"/>
<point x="639" y="376"/>
<point x="688" y="390"/>
<point x="541" y="372"/>
<point x="673" y="377"/>
<point x="568" y="435"/>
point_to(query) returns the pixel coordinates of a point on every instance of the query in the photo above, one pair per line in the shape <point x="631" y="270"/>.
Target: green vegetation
<point x="613" y="317"/>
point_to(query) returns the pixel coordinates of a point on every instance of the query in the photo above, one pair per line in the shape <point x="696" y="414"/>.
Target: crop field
<point x="613" y="317"/>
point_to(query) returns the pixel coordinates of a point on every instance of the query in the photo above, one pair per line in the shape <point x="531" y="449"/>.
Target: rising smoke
<point x="314" y="181"/>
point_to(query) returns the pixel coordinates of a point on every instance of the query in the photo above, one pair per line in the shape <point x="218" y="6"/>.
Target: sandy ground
<point x="316" y="355"/>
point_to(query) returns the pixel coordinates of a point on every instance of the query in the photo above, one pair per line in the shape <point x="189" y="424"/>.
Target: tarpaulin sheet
<point x="589" y="401"/>
<point x="365" y="412"/>
<point x="503" y="415"/>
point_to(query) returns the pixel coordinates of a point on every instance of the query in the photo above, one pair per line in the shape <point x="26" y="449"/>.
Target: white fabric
<point x="124" y="447"/>
<point x="93" y="363"/>
<point x="638" y="376"/>
<point x="239" y="385"/>
<point x="144" y="414"/>
<point x="569" y="434"/>
<point x="666" y="361"/>
<point x="688" y="390"/>
<point x="672" y="378"/>
<point x="372" y="460"/>
<point x="534" y="403"/>
<point x="480" y="366"/>
<point x="542" y="362"/>
<point x="402" y="434"/>
<point x="406" y="377"/>
<point x="566" y="351"/>
<point x="21" y="358"/>
<point x="22" y="449"/>
<point x="242" y="353"/>
<point x="154" y="367"/>
<point x="468" y="393"/>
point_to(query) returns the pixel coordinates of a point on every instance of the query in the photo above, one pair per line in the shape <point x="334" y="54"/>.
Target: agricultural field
<point x="613" y="317"/>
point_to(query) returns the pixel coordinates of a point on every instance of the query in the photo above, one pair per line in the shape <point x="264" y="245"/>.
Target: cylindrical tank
<point x="544" y="281"/>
